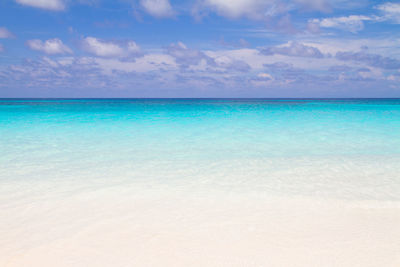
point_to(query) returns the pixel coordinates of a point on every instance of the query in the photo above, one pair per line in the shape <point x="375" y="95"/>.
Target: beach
<point x="128" y="226"/>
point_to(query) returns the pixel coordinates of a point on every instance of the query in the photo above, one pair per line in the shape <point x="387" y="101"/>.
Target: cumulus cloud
<point x="293" y="49"/>
<point x="369" y="59"/>
<point x="193" y="60"/>
<point x="109" y="49"/>
<point x="353" y="23"/>
<point x="228" y="69"/>
<point x="56" y="73"/>
<point x="286" y="71"/>
<point x="390" y="11"/>
<point x="88" y="72"/>
<point x="186" y="56"/>
<point x="51" y="46"/>
<point x="55" y="5"/>
<point x="4" y="33"/>
<point x="262" y="79"/>
<point x="265" y="76"/>
<point x="229" y="64"/>
<point x="158" y="8"/>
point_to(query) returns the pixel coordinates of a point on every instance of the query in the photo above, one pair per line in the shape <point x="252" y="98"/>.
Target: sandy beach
<point x="131" y="226"/>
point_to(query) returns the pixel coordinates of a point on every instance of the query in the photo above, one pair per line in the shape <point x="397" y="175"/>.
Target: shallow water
<point x="334" y="148"/>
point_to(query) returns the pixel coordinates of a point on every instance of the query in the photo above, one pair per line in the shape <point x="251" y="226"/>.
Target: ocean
<point x="201" y="182"/>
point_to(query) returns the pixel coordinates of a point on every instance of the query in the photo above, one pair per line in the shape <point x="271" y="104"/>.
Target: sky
<point x="199" y="48"/>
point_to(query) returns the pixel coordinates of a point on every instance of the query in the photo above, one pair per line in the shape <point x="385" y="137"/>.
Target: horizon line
<point x="194" y="98"/>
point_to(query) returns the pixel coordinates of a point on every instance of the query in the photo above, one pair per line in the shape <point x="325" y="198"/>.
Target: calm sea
<point x="336" y="148"/>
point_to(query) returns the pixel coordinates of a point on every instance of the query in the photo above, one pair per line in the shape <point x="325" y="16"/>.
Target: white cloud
<point x="4" y="33"/>
<point x="145" y="64"/>
<point x="101" y="48"/>
<point x="109" y="49"/>
<point x="293" y="49"/>
<point x="51" y="46"/>
<point x="55" y="5"/>
<point x="132" y="47"/>
<point x="353" y="23"/>
<point x="262" y="79"/>
<point x="241" y="68"/>
<point x="65" y="61"/>
<point x="390" y="11"/>
<point x="254" y="9"/>
<point x="158" y="8"/>
<point x="265" y="75"/>
<point x="260" y="9"/>
<point x="50" y="62"/>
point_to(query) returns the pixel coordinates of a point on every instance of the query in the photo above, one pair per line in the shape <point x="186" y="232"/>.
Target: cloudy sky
<point x="199" y="48"/>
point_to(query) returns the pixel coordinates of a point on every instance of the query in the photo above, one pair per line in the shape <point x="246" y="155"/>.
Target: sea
<point x="199" y="182"/>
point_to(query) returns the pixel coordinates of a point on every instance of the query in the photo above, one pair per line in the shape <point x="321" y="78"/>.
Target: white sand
<point x="133" y="226"/>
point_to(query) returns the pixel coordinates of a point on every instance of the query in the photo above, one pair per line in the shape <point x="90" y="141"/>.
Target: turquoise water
<point x="323" y="148"/>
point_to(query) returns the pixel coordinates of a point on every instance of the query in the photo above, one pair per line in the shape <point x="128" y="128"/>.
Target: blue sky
<point x="199" y="48"/>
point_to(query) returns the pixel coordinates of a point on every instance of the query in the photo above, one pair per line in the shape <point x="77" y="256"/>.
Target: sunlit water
<point x="167" y="172"/>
